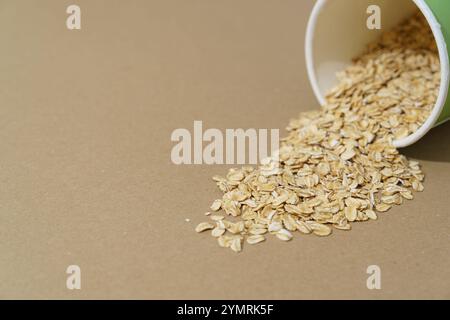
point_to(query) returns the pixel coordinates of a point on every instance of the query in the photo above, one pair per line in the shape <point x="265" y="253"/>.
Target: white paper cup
<point x="337" y="32"/>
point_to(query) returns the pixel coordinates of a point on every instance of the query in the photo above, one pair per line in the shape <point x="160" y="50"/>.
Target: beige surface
<point x="85" y="171"/>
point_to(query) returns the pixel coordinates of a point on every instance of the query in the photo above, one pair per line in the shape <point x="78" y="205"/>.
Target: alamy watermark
<point x="374" y="20"/>
<point x="213" y="146"/>
<point x="73" y="281"/>
<point x="374" y="280"/>
<point x="73" y="21"/>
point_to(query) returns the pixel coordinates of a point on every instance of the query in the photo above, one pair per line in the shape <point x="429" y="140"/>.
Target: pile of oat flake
<point x="338" y="164"/>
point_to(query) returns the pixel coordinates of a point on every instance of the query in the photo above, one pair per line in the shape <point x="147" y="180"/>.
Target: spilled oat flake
<point x="338" y="164"/>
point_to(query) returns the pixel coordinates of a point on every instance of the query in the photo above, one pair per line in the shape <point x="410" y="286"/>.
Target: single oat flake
<point x="337" y="165"/>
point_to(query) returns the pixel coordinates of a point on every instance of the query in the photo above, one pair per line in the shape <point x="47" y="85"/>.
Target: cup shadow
<point x="432" y="146"/>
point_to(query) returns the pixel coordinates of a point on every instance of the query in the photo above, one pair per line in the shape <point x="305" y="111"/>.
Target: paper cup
<point x="337" y="33"/>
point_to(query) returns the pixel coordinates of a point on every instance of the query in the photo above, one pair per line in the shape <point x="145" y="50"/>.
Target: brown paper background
<point x="85" y="170"/>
